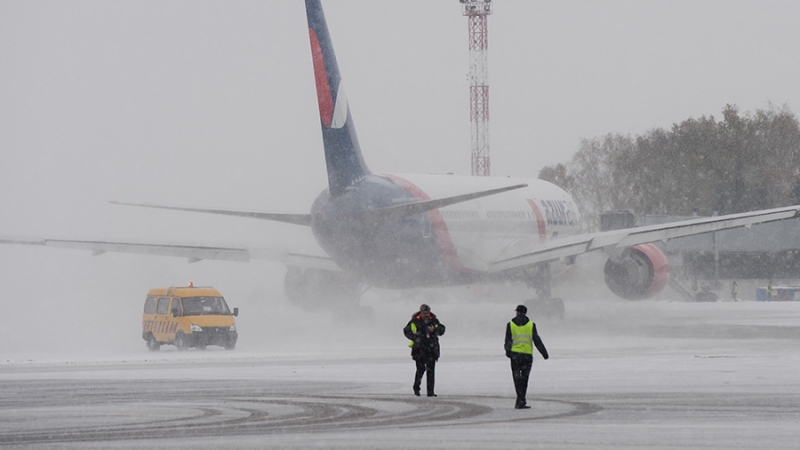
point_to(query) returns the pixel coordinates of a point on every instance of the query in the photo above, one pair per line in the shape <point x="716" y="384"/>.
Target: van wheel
<point x="180" y="341"/>
<point x="200" y="346"/>
<point x="152" y="344"/>
<point x="230" y="346"/>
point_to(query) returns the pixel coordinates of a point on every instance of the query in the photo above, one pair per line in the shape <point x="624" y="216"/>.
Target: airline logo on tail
<point x="332" y="113"/>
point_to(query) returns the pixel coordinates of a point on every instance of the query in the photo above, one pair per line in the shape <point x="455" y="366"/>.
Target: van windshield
<point x="198" y="306"/>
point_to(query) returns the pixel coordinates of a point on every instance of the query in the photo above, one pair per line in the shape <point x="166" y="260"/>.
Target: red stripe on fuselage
<point x="449" y="253"/>
<point x="540" y="222"/>
<point x="321" y="76"/>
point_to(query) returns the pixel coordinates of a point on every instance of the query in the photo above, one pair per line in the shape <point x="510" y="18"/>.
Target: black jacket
<point x="426" y="344"/>
<point x="537" y="341"/>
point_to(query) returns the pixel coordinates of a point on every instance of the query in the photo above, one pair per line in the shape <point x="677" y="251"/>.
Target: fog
<point x="90" y="308"/>
<point x="213" y="104"/>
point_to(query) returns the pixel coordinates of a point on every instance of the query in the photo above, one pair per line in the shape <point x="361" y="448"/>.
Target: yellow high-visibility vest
<point x="522" y="338"/>
<point x="413" y="330"/>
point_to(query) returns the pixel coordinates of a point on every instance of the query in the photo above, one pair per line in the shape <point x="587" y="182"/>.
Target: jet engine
<point x="638" y="272"/>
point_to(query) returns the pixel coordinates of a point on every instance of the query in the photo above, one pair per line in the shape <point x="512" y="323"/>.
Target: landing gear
<point x="540" y="278"/>
<point x="550" y="307"/>
<point x="314" y="289"/>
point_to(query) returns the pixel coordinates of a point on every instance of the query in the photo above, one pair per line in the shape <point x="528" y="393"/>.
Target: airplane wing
<point x="388" y="214"/>
<point x="193" y="253"/>
<point x="297" y="219"/>
<point x="529" y="251"/>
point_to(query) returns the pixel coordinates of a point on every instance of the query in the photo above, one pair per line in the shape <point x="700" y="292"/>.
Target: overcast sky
<point x="213" y="103"/>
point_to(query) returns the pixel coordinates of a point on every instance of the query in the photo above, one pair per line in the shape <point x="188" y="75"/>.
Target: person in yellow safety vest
<point x="521" y="337"/>
<point x="424" y="330"/>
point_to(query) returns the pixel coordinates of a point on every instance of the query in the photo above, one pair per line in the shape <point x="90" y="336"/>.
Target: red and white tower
<point x="476" y="12"/>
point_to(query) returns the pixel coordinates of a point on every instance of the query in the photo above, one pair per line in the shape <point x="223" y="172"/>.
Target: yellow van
<point x="188" y="317"/>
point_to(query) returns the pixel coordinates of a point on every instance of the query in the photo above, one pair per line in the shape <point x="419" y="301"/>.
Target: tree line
<point x="704" y="166"/>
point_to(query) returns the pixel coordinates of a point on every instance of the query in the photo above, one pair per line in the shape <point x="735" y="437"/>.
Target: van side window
<point x="198" y="306"/>
<point x="163" y="306"/>
<point x="176" y="303"/>
<point x="150" y="305"/>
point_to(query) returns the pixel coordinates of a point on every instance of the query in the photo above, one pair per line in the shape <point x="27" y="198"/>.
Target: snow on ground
<point x="652" y="374"/>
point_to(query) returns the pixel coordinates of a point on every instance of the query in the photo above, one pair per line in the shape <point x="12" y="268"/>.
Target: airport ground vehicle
<point x="188" y="317"/>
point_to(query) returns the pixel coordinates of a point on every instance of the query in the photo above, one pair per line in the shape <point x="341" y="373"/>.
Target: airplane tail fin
<point x="343" y="157"/>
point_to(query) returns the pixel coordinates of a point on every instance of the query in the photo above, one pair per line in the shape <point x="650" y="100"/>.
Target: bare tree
<point x="741" y="163"/>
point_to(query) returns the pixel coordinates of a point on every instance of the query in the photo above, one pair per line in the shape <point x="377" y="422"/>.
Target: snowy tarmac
<point x="622" y="375"/>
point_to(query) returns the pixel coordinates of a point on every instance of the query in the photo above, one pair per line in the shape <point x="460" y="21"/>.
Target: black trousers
<point x="521" y="365"/>
<point x="425" y="365"/>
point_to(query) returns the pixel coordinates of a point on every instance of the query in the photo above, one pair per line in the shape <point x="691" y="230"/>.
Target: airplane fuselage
<point x="445" y="246"/>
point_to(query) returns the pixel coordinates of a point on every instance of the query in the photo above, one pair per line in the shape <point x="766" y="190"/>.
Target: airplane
<point x="402" y="231"/>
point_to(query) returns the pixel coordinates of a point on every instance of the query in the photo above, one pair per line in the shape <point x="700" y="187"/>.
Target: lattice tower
<point x="477" y="12"/>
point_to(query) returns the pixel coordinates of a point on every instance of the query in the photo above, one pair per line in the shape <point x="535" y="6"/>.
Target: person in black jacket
<point x="424" y="330"/>
<point x="521" y="337"/>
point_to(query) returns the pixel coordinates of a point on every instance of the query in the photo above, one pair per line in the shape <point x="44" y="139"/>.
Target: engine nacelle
<point x="640" y="272"/>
